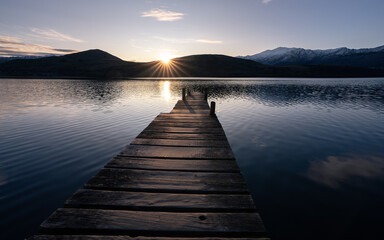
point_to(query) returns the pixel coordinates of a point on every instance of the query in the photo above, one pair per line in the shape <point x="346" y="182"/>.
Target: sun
<point x="165" y="58"/>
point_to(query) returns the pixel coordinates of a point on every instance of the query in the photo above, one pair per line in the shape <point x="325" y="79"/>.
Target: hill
<point x="92" y="63"/>
<point x="102" y="65"/>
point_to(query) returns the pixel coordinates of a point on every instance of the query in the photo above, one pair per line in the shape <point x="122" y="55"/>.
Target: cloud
<point x="163" y="15"/>
<point x="266" y="1"/>
<point x="10" y="40"/>
<point x="186" y="40"/>
<point x="54" y="35"/>
<point x="174" y="40"/>
<point x="339" y="169"/>
<point x="13" y="47"/>
<point x="209" y="41"/>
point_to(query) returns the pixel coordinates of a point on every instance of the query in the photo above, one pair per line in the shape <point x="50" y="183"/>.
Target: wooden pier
<point x="177" y="180"/>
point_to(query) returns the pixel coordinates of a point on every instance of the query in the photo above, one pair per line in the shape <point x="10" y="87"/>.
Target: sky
<point x="145" y="30"/>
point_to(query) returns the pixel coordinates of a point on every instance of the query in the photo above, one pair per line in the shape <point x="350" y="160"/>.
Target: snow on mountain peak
<point x="284" y="55"/>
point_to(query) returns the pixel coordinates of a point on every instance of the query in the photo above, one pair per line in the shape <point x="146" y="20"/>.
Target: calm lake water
<point x="311" y="150"/>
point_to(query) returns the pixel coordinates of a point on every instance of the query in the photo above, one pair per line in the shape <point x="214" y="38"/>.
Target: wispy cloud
<point x="14" y="47"/>
<point x="186" y="40"/>
<point x="174" y="40"/>
<point x="163" y="15"/>
<point x="209" y="41"/>
<point x="55" y="35"/>
<point x="266" y="1"/>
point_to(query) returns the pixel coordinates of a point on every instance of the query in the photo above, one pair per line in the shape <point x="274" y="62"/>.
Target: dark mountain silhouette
<point x="92" y="63"/>
<point x="365" y="57"/>
<point x="102" y="65"/>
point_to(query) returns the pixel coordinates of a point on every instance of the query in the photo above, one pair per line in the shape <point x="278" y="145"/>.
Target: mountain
<point x="7" y="59"/>
<point x="97" y="64"/>
<point x="366" y="57"/>
<point x="93" y="63"/>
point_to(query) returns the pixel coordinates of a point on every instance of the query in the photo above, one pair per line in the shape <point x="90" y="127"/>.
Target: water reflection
<point x="166" y="92"/>
<point x="276" y="128"/>
<point x="31" y="94"/>
<point x="287" y="93"/>
<point x="337" y="170"/>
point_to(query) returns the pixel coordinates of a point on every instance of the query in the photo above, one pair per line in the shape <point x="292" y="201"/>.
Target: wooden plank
<point x="177" y="152"/>
<point x="195" y="98"/>
<point x="198" y="102"/>
<point x="186" y="106"/>
<point x="196" y="107"/>
<point x="185" y="115"/>
<point x="187" y="136"/>
<point x="186" y="111"/>
<point x="180" y="143"/>
<point x="185" y="120"/>
<point x="134" y="175"/>
<point x="109" y="237"/>
<point x="167" y="202"/>
<point x="94" y="221"/>
<point x="186" y="124"/>
<point x="192" y="102"/>
<point x="203" y="120"/>
<point x="167" y="181"/>
<point x="218" y="131"/>
<point x="174" y="164"/>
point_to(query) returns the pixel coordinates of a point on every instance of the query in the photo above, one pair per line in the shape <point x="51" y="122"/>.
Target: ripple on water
<point x="311" y="142"/>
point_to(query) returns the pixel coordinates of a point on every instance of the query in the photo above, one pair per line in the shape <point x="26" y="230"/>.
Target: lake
<point x="311" y="150"/>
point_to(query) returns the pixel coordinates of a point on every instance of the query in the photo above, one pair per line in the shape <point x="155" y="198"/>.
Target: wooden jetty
<point x="177" y="180"/>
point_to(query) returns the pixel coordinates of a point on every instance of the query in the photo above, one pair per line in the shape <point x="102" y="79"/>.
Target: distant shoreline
<point x="100" y="65"/>
<point x="180" y="78"/>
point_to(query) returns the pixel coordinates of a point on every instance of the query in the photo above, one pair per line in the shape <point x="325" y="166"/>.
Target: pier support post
<point x="213" y="108"/>
<point x="183" y="94"/>
<point x="205" y="94"/>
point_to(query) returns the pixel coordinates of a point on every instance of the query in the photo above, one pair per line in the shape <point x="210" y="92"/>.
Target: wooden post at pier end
<point x="183" y="94"/>
<point x="213" y="108"/>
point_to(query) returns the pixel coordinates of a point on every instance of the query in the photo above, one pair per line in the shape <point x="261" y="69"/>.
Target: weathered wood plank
<point x="192" y="102"/>
<point x="167" y="181"/>
<point x="187" y="111"/>
<point x="186" y="106"/>
<point x="177" y="152"/>
<point x="166" y="202"/>
<point x="186" y="124"/>
<point x="134" y="175"/>
<point x="180" y="143"/>
<point x="187" y="136"/>
<point x="185" y="120"/>
<point x="195" y="99"/>
<point x="174" y="164"/>
<point x="185" y="115"/>
<point x="92" y="221"/>
<point x="218" y="131"/>
<point x="109" y="237"/>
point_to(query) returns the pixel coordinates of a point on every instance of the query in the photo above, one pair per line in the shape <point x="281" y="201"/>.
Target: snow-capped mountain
<point x="7" y="59"/>
<point x="365" y="57"/>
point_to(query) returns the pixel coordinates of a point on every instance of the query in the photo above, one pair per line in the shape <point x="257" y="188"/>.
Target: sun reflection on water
<point x="166" y="93"/>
